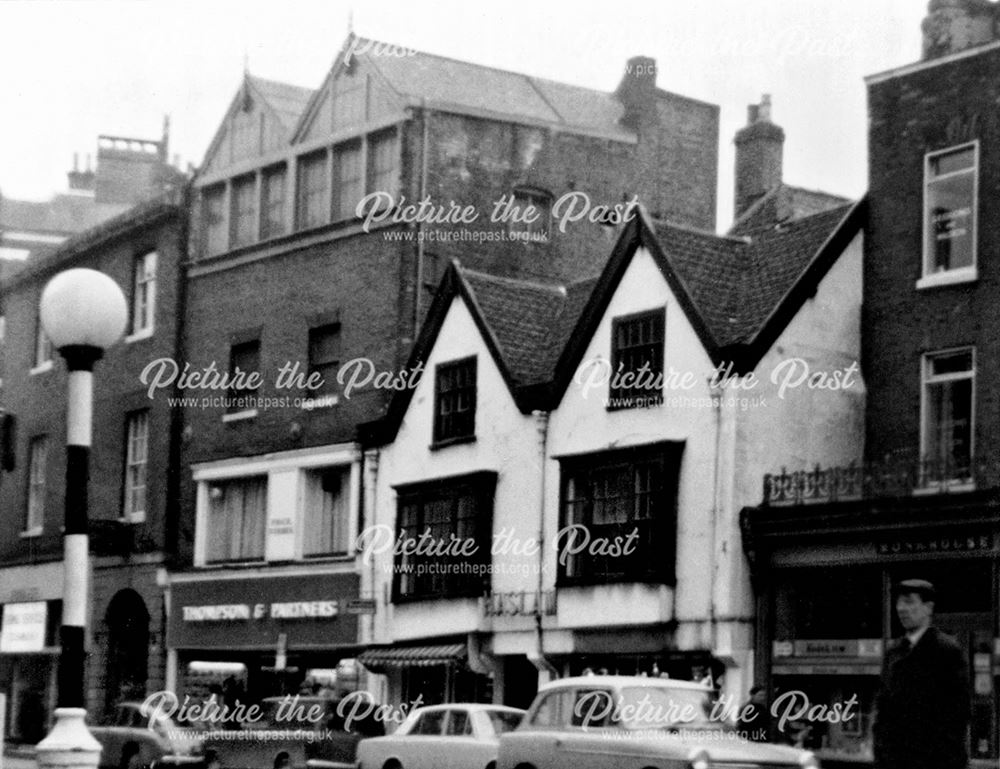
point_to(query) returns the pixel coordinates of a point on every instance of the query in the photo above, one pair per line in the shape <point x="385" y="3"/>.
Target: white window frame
<point x="927" y="379"/>
<point x="286" y="481"/>
<point x="970" y="272"/>
<point x="143" y="296"/>
<point x="34" y="520"/>
<point x="136" y="460"/>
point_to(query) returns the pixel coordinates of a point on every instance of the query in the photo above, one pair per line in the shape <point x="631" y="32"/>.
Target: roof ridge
<point x="556" y="287"/>
<point x="699" y="231"/>
<point x="271" y="81"/>
<point x="815" y="191"/>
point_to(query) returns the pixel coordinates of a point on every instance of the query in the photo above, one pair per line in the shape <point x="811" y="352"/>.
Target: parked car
<point x="454" y="736"/>
<point x="309" y="732"/>
<point x="626" y="722"/>
<point x="153" y="740"/>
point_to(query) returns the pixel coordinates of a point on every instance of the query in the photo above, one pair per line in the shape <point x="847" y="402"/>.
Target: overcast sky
<point x="73" y="69"/>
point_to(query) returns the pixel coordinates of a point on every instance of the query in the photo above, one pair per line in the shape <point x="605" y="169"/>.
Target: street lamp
<point x="83" y="312"/>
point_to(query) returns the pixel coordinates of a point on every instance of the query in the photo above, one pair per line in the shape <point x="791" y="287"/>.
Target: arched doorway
<point x="127" y="623"/>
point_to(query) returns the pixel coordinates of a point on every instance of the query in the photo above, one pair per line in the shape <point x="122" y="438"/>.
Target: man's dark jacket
<point x="922" y="707"/>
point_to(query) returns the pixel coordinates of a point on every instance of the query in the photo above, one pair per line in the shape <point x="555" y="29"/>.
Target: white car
<point x="624" y="722"/>
<point x="454" y="736"/>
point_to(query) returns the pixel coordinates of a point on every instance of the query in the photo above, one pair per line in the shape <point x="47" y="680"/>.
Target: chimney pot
<point x="759" y="148"/>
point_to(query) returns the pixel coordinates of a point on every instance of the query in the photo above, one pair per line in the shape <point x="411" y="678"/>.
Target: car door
<point x="422" y="747"/>
<point x="587" y="743"/>
<point x="539" y="742"/>
<point x="461" y="749"/>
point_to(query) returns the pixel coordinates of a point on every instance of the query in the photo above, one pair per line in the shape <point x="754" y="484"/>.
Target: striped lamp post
<point x="83" y="312"/>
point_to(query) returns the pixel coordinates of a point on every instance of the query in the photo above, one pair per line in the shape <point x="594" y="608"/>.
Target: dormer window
<point x="455" y="401"/>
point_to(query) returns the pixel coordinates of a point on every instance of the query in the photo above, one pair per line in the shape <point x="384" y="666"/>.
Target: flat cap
<point x="921" y="587"/>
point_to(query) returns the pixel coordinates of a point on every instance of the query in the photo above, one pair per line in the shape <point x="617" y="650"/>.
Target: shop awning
<point x="412" y="656"/>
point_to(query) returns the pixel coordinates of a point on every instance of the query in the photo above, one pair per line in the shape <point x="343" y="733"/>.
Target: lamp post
<point x="83" y="313"/>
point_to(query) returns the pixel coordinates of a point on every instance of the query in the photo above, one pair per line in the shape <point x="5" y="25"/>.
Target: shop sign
<point x="360" y="606"/>
<point x="260" y="611"/>
<point x="937" y="544"/>
<point x="23" y="628"/>
<point x="841" y="647"/>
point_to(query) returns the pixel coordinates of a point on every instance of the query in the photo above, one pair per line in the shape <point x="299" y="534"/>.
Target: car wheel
<point x="392" y="763"/>
<point x="524" y="766"/>
<point x="491" y="765"/>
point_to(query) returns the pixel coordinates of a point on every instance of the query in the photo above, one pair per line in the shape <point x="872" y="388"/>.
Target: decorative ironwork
<point x="520" y="604"/>
<point x="872" y="480"/>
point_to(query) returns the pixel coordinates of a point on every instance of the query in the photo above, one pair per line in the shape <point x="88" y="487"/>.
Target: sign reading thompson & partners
<point x="252" y="612"/>
<point x="23" y="628"/>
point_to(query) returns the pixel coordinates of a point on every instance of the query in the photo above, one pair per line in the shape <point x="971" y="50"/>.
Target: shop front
<point x="30" y="614"/>
<point x="250" y="636"/>
<point x="826" y="609"/>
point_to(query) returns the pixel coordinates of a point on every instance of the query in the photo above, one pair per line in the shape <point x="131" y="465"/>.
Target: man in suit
<point x="922" y="707"/>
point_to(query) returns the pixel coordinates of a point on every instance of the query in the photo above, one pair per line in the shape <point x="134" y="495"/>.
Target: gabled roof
<point x="287" y="101"/>
<point x="783" y="203"/>
<point x="737" y="293"/>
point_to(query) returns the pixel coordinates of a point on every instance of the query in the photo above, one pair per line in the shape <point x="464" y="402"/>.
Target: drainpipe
<point x="369" y="476"/>
<point x="418" y="293"/>
<point x="716" y="506"/>
<point x="543" y="665"/>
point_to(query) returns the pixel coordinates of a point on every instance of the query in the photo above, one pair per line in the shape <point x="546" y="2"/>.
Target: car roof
<point x="468" y="706"/>
<point x="617" y="682"/>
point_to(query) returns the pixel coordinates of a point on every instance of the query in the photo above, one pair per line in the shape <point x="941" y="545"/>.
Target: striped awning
<point x="378" y="659"/>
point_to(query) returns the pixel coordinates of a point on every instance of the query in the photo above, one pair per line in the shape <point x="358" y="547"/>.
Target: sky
<point x="74" y="69"/>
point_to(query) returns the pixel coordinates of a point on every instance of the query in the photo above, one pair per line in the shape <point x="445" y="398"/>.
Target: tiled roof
<point x="288" y="101"/>
<point x="62" y="215"/>
<point x="784" y="203"/>
<point x="530" y="321"/>
<point x="469" y="86"/>
<point x="736" y="283"/>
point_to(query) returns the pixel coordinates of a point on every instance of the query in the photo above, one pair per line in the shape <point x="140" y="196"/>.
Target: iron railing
<point x="872" y="480"/>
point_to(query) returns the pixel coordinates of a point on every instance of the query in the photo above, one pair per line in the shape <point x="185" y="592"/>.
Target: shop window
<point x="136" y="456"/>
<point x="243" y="217"/>
<point x="947" y="438"/>
<point x="327" y="511"/>
<point x="37" y="460"/>
<point x="456" y="513"/>
<point x="272" y="203"/>
<point x="324" y="356"/>
<point x="348" y="179"/>
<point x="950" y="190"/>
<point x="533" y="204"/>
<point x="143" y="294"/>
<point x="455" y="400"/>
<point x="627" y="497"/>
<point x="236" y="518"/>
<point x="214" y="220"/>
<point x="637" y="343"/>
<point x="311" y="208"/>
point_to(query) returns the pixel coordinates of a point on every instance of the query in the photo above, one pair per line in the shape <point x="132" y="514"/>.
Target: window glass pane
<point x="431" y="723"/>
<point x="214" y="221"/>
<point x="244" y="213"/>
<point x="137" y="450"/>
<point x="384" y="154"/>
<point x="324" y="356"/>
<point x="637" y="361"/>
<point x="952" y="363"/>
<point x="236" y="518"/>
<point x="326" y="511"/>
<point x="455" y="407"/>
<point x="458" y="723"/>
<point x="313" y="185"/>
<point x="272" y="217"/>
<point x="37" y="455"/>
<point x="144" y="292"/>
<point x="349" y="180"/>
<point x="949" y="162"/>
<point x="244" y="360"/>
<point x="950" y="211"/>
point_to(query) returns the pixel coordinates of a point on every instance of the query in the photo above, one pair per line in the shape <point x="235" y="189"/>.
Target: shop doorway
<point x="127" y="624"/>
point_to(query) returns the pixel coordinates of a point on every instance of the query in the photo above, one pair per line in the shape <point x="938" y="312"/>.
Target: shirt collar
<point x="916" y="635"/>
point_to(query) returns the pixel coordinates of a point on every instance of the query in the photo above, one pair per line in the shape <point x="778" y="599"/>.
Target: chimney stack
<point x="80" y="181"/>
<point x="759" y="148"/>
<point x="637" y="90"/>
<point x="953" y="25"/>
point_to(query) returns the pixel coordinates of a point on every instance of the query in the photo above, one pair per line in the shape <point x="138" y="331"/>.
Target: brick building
<point x="133" y="491"/>
<point x="924" y="504"/>
<point x="285" y="274"/>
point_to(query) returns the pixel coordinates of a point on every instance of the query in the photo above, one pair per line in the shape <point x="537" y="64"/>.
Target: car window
<point x="429" y="723"/>
<point x="504" y="721"/>
<point x="458" y="723"/>
<point x="592" y="708"/>
<point x="550" y="708"/>
<point x="660" y="707"/>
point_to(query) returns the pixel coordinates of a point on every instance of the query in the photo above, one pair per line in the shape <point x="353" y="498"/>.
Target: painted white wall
<point x="506" y="443"/>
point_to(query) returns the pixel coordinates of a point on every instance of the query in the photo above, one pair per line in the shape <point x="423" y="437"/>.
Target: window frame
<point x="130" y="515"/>
<point x="661" y="538"/>
<point x="313" y="365"/>
<point x="244" y="191"/>
<point x="372" y="173"/>
<point x="142" y="324"/>
<point x="927" y="380"/>
<point x="266" y="204"/>
<point x="209" y="533"/>
<point x="215" y="194"/>
<point x="320" y="160"/>
<point x="930" y="278"/>
<point x="624" y="398"/>
<point x="355" y="146"/>
<point x="233" y="393"/>
<point x="440" y="438"/>
<point x="481" y="488"/>
<point x="344" y="471"/>
<point x="34" y="514"/>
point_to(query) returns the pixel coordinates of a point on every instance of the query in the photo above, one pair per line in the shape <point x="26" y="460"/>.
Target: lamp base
<point x="69" y="745"/>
